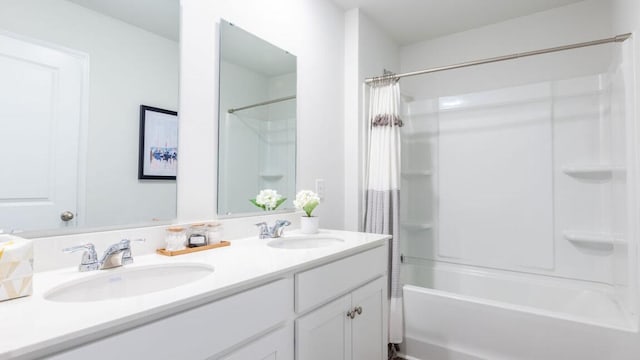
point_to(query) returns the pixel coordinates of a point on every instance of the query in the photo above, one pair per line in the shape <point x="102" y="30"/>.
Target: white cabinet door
<point x="42" y="99"/>
<point x="277" y="345"/>
<point x="328" y="333"/>
<point x="368" y="329"/>
<point x="325" y="333"/>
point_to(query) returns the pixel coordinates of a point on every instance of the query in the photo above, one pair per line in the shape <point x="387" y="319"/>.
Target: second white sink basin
<point x="128" y="281"/>
<point x="304" y="242"/>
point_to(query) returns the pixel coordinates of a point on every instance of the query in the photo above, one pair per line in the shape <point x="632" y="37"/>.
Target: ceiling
<point x="161" y="17"/>
<point x="411" y="21"/>
<point x="407" y="21"/>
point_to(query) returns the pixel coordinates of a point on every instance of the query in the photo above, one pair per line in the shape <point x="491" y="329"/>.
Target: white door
<point x="324" y="333"/>
<point x="41" y="108"/>
<point x="368" y="333"/>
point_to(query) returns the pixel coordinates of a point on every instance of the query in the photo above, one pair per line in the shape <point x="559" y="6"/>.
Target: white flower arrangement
<point x="306" y="200"/>
<point x="268" y="199"/>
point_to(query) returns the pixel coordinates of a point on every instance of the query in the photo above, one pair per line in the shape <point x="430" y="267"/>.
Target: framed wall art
<point x="158" y="157"/>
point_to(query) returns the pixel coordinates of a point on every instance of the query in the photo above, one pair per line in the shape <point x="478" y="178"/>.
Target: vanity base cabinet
<point x="200" y="333"/>
<point x="352" y="327"/>
<point x="334" y="311"/>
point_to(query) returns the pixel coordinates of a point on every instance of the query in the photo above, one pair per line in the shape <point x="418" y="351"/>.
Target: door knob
<point x="66" y="216"/>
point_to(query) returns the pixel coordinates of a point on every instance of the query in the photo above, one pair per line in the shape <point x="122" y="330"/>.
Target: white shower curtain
<point x="383" y="188"/>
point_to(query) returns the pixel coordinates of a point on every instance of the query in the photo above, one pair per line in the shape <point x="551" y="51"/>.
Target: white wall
<point x="583" y="21"/>
<point x="625" y="15"/>
<point x="128" y="67"/>
<point x="314" y="32"/>
<point x="368" y="51"/>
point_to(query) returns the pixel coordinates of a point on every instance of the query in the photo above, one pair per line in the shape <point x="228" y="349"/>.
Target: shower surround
<point x="515" y="211"/>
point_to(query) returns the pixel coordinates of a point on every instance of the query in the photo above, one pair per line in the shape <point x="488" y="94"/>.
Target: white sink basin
<point x="304" y="242"/>
<point x="128" y="281"/>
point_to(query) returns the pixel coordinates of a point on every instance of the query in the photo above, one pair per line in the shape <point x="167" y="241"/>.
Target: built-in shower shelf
<point x="597" y="239"/>
<point x="414" y="174"/>
<point x="595" y="171"/>
<point x="416" y="226"/>
<point x="271" y="176"/>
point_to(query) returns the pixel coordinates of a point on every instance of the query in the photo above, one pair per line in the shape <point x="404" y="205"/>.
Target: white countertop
<point x="33" y="326"/>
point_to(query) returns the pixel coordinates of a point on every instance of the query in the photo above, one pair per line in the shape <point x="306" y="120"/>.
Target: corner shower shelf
<point x="271" y="176"/>
<point x="595" y="171"/>
<point x="411" y="174"/>
<point x="598" y="239"/>
<point x="416" y="226"/>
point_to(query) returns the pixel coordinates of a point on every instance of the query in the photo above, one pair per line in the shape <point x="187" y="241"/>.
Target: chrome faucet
<point x="109" y="260"/>
<point x="274" y="231"/>
<point x="89" y="257"/>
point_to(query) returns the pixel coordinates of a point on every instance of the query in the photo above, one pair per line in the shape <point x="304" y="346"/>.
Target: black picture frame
<point x="158" y="151"/>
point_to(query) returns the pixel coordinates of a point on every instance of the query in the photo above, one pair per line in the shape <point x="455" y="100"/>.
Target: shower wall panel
<point x="527" y="178"/>
<point x="495" y="178"/>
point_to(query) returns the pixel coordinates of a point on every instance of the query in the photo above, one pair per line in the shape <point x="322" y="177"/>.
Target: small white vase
<point x="309" y="225"/>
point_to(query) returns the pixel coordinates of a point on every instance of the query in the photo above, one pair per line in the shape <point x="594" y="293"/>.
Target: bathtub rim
<point x="502" y="274"/>
<point x="632" y="326"/>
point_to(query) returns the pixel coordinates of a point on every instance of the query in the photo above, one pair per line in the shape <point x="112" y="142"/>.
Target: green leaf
<point x="310" y="207"/>
<point x="253" y="201"/>
<point x="279" y="202"/>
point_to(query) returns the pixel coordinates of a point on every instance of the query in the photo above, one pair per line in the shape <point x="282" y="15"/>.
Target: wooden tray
<point x="193" y="249"/>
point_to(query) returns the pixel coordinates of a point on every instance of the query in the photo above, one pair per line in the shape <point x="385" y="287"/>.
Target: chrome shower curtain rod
<point x="619" y="38"/>
<point x="231" y="111"/>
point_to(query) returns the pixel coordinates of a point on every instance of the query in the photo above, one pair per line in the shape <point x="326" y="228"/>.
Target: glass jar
<point x="175" y="238"/>
<point x="197" y="235"/>
<point x="214" y="233"/>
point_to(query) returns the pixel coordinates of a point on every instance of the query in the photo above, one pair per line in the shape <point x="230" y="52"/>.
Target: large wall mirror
<point x="257" y="121"/>
<point x="74" y="74"/>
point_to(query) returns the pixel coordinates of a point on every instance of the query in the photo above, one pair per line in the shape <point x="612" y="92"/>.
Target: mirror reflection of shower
<point x="257" y="121"/>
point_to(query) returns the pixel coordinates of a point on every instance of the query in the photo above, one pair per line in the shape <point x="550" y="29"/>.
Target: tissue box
<point x="16" y="267"/>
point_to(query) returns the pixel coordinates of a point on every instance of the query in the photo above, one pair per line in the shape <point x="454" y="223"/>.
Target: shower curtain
<point x="383" y="187"/>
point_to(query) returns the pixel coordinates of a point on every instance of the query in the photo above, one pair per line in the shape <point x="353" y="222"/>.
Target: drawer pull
<point x="351" y="314"/>
<point x="358" y="309"/>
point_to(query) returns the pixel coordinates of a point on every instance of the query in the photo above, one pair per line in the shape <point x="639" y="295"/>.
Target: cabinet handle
<point x="356" y="311"/>
<point x="351" y="314"/>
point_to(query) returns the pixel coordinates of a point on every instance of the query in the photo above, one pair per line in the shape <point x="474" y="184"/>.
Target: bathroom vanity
<point x="307" y="299"/>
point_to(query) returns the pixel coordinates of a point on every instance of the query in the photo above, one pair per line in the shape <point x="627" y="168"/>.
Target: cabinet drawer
<point x="321" y="284"/>
<point x="197" y="333"/>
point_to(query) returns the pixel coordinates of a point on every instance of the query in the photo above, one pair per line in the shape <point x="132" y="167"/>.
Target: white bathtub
<point x="461" y="313"/>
